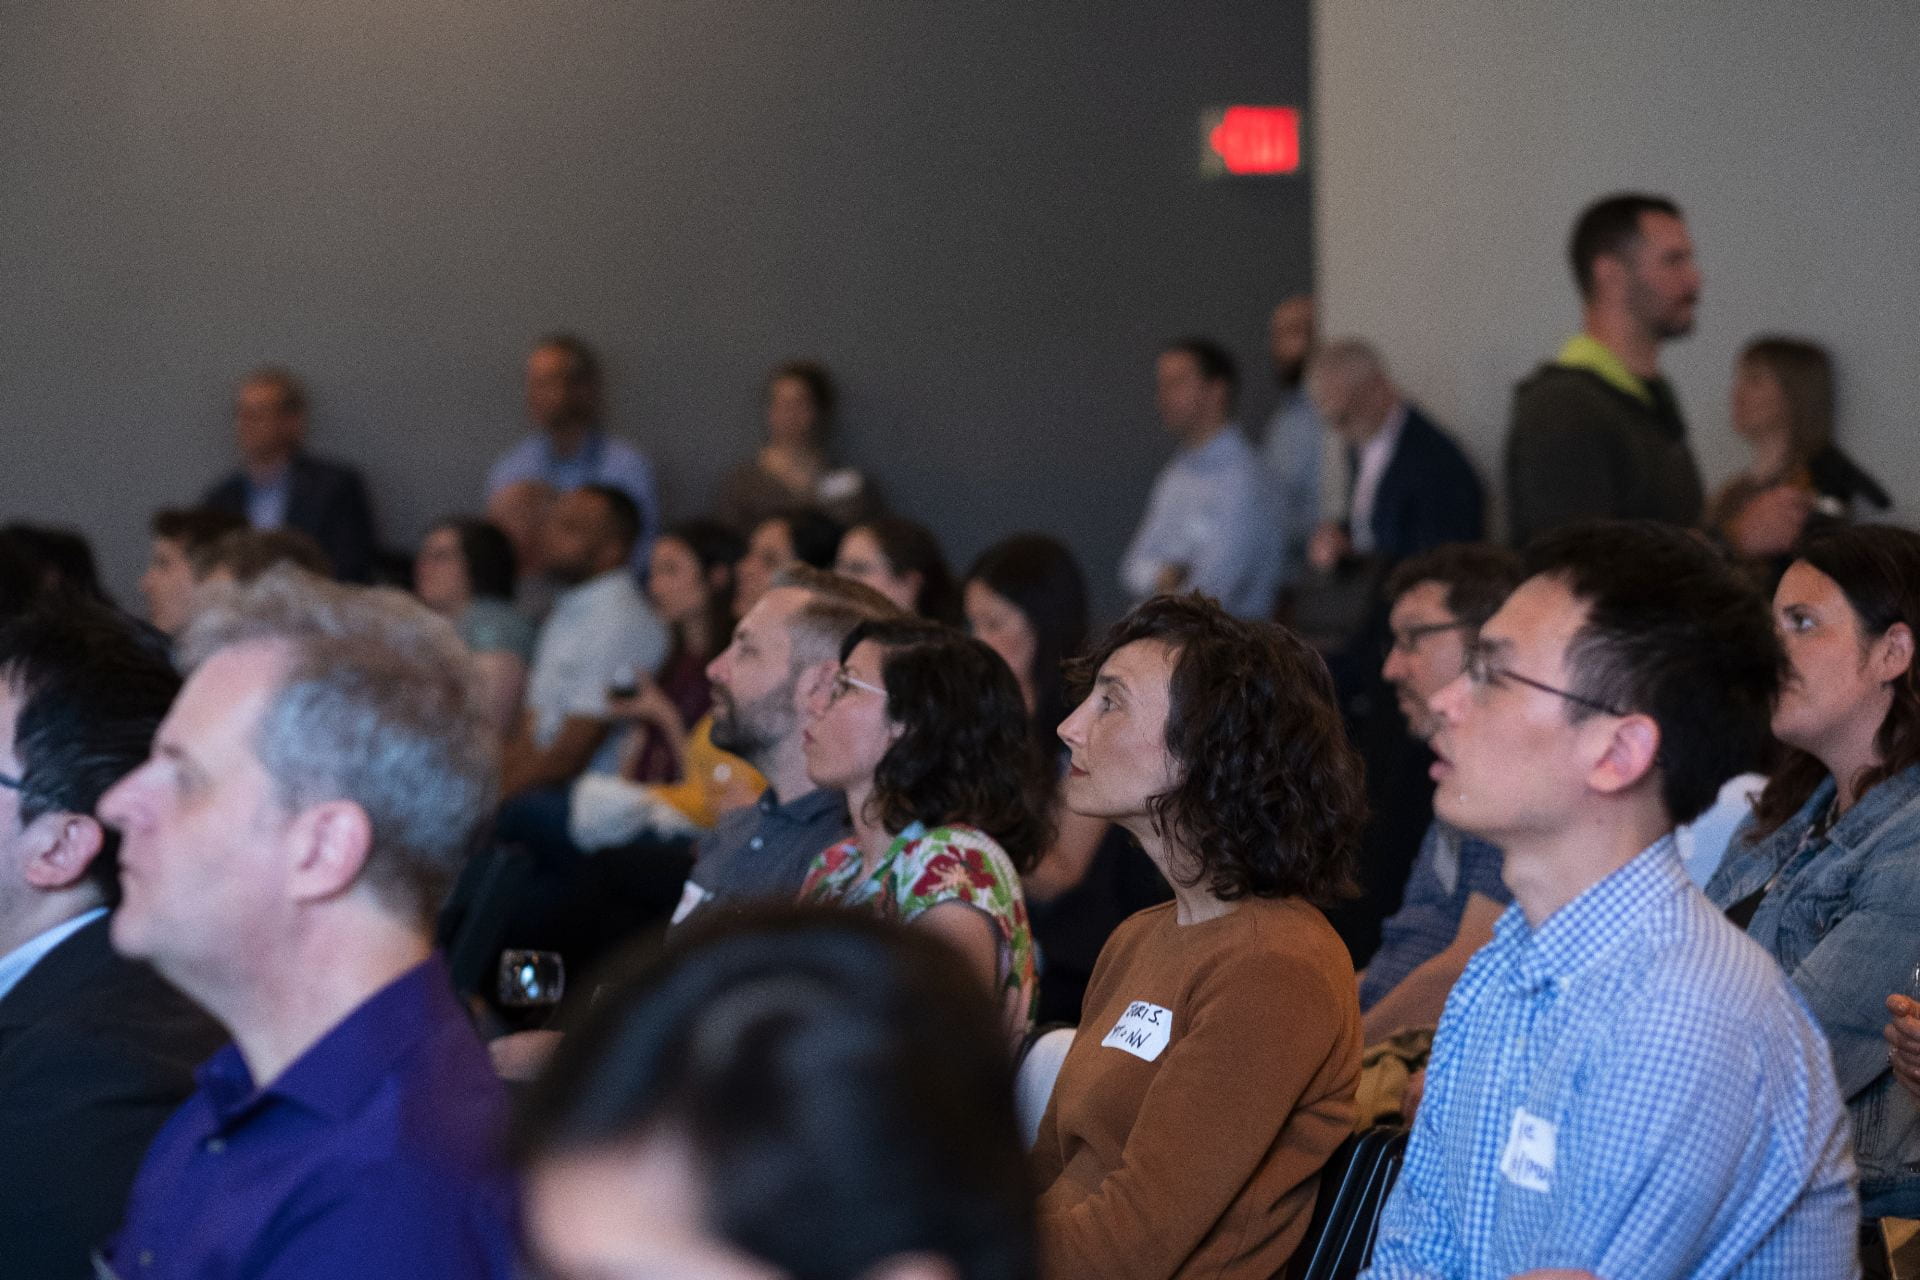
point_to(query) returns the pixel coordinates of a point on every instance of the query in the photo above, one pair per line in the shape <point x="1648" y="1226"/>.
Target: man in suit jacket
<point x="1411" y="487"/>
<point x="95" y="1050"/>
<point x="280" y="485"/>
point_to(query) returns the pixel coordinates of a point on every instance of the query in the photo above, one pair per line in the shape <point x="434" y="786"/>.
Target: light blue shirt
<point x="17" y="963"/>
<point x="1212" y="510"/>
<point x="598" y="630"/>
<point x="267" y="503"/>
<point x="1631" y="1089"/>
<point x="1295" y="450"/>
<point x="601" y="459"/>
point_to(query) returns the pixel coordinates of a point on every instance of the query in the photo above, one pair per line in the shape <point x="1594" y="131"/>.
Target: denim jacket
<point x="1843" y="919"/>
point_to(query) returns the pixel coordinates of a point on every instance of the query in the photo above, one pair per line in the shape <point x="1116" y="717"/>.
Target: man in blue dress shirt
<point x="569" y="447"/>
<point x="1622" y="1084"/>
<point x="310" y="793"/>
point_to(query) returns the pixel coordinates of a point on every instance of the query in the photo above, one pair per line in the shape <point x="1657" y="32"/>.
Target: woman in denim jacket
<point x="1826" y="872"/>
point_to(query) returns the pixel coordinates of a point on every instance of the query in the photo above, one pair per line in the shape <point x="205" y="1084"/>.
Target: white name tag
<point x="1528" y="1161"/>
<point x="1143" y="1031"/>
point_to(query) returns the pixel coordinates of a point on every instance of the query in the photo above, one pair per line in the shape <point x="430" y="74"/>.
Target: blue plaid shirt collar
<point x="1581" y="933"/>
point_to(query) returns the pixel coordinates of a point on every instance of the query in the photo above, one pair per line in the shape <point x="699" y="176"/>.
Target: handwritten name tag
<point x="1143" y="1031"/>
<point x="1528" y="1161"/>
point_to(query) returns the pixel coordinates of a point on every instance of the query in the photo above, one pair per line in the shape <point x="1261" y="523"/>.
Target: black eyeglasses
<point x="1482" y="673"/>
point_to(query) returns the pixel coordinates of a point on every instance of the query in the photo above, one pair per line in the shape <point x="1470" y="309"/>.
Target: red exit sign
<point x="1250" y="140"/>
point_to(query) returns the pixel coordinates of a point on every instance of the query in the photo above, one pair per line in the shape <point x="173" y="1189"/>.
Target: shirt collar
<point x="587" y="456"/>
<point x="1870" y="810"/>
<point x="802" y="808"/>
<point x="16" y="964"/>
<point x="1223" y="445"/>
<point x="596" y="586"/>
<point x="1584" y="351"/>
<point x="337" y="1072"/>
<point x="1582" y="932"/>
<point x="1387" y="439"/>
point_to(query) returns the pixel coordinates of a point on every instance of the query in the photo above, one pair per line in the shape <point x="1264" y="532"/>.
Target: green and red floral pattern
<point x="923" y="869"/>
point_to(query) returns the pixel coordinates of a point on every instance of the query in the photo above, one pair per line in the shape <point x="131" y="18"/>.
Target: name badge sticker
<point x="1528" y="1160"/>
<point x="1143" y="1031"/>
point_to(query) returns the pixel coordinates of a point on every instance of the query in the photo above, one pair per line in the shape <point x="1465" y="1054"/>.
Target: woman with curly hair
<point x="924" y="732"/>
<point x="1219" y="1048"/>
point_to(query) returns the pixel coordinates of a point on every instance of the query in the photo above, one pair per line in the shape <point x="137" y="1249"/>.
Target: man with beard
<point x="1308" y="466"/>
<point x="1598" y="432"/>
<point x="785" y="648"/>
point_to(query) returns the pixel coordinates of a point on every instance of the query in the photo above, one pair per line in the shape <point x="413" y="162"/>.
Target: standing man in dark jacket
<point x="1597" y="432"/>
<point x="95" y="1051"/>
<point x="281" y="485"/>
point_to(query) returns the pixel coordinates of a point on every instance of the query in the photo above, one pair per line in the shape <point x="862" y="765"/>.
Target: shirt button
<point x="755" y="843"/>
<point x="216" y="1145"/>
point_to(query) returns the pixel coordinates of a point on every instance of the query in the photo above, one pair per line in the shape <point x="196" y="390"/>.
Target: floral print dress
<point x="921" y="870"/>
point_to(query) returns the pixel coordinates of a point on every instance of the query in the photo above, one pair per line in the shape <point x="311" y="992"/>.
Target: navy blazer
<point x="1429" y="495"/>
<point x="327" y="501"/>
<point x="96" y="1052"/>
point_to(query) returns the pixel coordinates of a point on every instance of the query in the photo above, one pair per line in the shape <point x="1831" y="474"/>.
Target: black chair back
<point x="1346" y="1214"/>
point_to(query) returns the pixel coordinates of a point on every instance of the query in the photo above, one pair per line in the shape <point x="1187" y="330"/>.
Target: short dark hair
<point x="1214" y="363"/>
<point x="964" y="755"/>
<point x="195" y="528"/>
<point x="622" y="511"/>
<point x="1271" y="796"/>
<point x="488" y="554"/>
<point x="1478" y="576"/>
<point x="249" y="553"/>
<point x="585" y="370"/>
<point x="293" y="393"/>
<point x="1609" y="227"/>
<point x="63" y="558"/>
<point x="823" y="1066"/>
<point x="1877" y="568"/>
<point x="93" y="687"/>
<point x="815" y="536"/>
<point x="1675" y="633"/>
<point x="910" y="547"/>
<point x="1038" y="576"/>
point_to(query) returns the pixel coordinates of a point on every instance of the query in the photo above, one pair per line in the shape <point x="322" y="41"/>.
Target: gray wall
<point x="985" y="218"/>
<point x="1457" y="142"/>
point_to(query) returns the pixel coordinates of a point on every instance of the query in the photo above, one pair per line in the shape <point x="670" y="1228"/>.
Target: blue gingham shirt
<point x="1631" y="1089"/>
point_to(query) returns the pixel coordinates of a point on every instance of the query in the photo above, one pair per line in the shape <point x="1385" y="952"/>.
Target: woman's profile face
<point x="1117" y="739"/>
<point x="848" y="729"/>
<point x="674" y="583"/>
<point x="998" y="623"/>
<point x="769" y="550"/>
<point x="792" y="417"/>
<point x="1839" y="689"/>
<point x="1760" y="409"/>
<point x="863" y="559"/>
<point x="440" y="572"/>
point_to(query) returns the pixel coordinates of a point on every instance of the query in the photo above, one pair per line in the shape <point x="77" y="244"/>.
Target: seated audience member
<point x="520" y="510"/>
<point x="282" y="873"/>
<point x="922" y="730"/>
<point x="1026" y="600"/>
<point x="691" y="587"/>
<point x="793" y="537"/>
<point x="1214" y="1070"/>
<point x="601" y="629"/>
<point x="63" y="558"/>
<point x="281" y="486"/>
<point x="95" y="1051"/>
<point x="246" y="554"/>
<point x="180" y="537"/>
<point x="902" y="560"/>
<point x="784" y="653"/>
<point x="568" y="448"/>
<point x="1621" y="1083"/>
<point x="1454" y="894"/>
<point x="1783" y="411"/>
<point x="1825" y="875"/>
<point x="1412" y="489"/>
<point x="1597" y="432"/>
<point x="464" y="571"/>
<point x="1297" y="445"/>
<point x="793" y="468"/>
<point x="879" y="1144"/>
<point x="1211" y="523"/>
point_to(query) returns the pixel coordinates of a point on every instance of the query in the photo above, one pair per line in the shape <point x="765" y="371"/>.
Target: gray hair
<point x="836" y="604"/>
<point x="378" y="705"/>
<point x="1353" y="361"/>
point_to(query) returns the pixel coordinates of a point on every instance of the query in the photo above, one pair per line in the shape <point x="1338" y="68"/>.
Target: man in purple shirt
<point x="310" y="793"/>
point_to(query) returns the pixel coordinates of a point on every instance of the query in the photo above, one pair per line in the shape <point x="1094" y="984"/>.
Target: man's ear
<point x="1628" y="755"/>
<point x="330" y="843"/>
<point x="61" y="848"/>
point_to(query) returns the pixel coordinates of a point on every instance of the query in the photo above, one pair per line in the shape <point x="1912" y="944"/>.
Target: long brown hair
<point x="1877" y="567"/>
<point x="1805" y="374"/>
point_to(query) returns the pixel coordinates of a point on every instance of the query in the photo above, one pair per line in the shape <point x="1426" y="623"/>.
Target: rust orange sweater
<point x="1190" y="1142"/>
